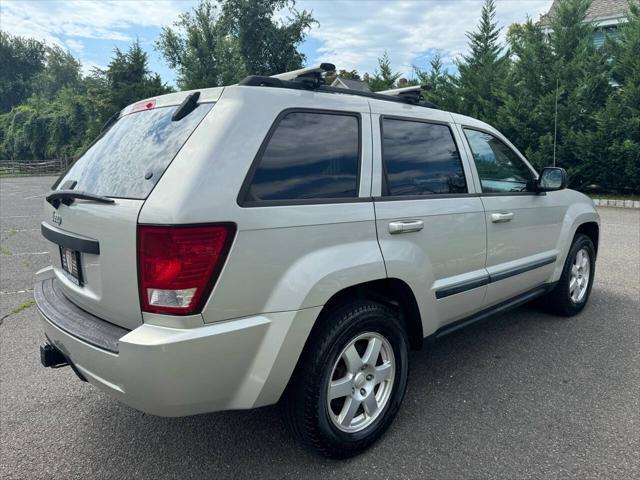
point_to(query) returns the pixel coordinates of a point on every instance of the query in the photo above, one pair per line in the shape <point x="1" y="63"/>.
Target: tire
<point x="563" y="299"/>
<point x="324" y="425"/>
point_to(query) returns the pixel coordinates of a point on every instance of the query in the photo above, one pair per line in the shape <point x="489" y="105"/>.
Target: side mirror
<point x="551" y="179"/>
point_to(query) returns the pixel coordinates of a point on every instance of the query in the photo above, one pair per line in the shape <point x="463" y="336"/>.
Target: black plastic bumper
<point x="67" y="316"/>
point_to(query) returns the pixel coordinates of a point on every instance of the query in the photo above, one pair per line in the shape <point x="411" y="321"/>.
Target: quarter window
<point x="310" y="155"/>
<point x="499" y="168"/>
<point x="420" y="158"/>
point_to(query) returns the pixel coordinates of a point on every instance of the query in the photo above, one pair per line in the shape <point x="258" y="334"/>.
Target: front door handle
<point x="405" y="226"/>
<point x="501" y="217"/>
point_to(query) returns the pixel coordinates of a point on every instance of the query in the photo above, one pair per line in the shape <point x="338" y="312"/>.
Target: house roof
<point x="350" y="84"/>
<point x="599" y="9"/>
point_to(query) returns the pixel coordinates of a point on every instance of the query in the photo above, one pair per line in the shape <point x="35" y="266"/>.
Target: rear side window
<point x="128" y="160"/>
<point x="420" y="158"/>
<point x="309" y="155"/>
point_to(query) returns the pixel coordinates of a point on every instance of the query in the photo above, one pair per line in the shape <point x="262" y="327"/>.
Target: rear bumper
<point x="236" y="364"/>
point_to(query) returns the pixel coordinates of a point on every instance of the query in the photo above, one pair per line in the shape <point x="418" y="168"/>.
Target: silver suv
<point x="285" y="241"/>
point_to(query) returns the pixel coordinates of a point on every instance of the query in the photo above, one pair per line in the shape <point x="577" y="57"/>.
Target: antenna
<point x="555" y="124"/>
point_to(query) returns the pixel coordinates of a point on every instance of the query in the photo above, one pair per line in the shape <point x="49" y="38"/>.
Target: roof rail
<point x="312" y="79"/>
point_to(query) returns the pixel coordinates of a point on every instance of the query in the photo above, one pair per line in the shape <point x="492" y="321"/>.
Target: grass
<point x="23" y="306"/>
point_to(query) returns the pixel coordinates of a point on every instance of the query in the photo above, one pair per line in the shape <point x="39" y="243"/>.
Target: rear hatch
<point x="93" y="240"/>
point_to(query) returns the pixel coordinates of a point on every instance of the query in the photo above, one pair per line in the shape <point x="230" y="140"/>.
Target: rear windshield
<point x="128" y="160"/>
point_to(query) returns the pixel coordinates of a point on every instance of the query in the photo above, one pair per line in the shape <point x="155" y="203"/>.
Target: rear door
<point x="93" y="245"/>
<point x="523" y="227"/>
<point x="430" y="223"/>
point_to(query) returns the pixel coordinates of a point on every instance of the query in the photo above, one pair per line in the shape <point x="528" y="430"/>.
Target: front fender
<point x="581" y="210"/>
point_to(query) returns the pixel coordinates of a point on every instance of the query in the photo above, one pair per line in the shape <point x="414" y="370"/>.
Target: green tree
<point x="266" y="45"/>
<point x="61" y="70"/>
<point x="192" y="48"/>
<point x="66" y="113"/>
<point x="126" y="79"/>
<point x="21" y="59"/>
<point x="615" y="145"/>
<point x="348" y="74"/>
<point x="528" y="96"/>
<point x="482" y="71"/>
<point x="383" y="78"/>
<point x="218" y="43"/>
<point x="439" y="83"/>
<point x="582" y="74"/>
<point x="562" y="64"/>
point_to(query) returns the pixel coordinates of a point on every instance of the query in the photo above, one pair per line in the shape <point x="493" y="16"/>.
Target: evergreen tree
<point x="581" y="73"/>
<point x="439" y="84"/>
<point x="526" y="114"/>
<point x="384" y="78"/>
<point x="482" y="71"/>
<point x="562" y="64"/>
<point x="613" y="150"/>
<point x="126" y="79"/>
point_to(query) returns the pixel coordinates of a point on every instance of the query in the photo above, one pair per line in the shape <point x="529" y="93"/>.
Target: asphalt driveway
<point x="524" y="395"/>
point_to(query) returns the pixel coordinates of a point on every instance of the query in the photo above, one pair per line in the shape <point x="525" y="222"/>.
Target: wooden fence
<point x="30" y="167"/>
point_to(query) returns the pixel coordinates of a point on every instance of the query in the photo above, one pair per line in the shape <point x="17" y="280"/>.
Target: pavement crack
<point x="18" y="309"/>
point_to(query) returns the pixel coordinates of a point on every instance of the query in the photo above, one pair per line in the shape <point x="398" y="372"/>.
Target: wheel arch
<point x="580" y="217"/>
<point x="392" y="292"/>
<point x="591" y="230"/>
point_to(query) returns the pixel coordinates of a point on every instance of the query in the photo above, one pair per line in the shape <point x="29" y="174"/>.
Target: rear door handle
<point x="405" y="226"/>
<point x="501" y="217"/>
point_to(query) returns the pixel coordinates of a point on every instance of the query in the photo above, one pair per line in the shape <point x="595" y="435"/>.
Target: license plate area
<point x="70" y="261"/>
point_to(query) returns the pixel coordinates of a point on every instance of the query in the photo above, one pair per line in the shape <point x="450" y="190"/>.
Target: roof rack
<point x="412" y="94"/>
<point x="312" y="78"/>
<point x="306" y="72"/>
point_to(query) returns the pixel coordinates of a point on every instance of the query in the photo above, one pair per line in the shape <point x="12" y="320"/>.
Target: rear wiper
<point x="112" y="119"/>
<point x="67" y="197"/>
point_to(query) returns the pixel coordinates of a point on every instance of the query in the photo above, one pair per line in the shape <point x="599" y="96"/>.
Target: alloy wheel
<point x="579" y="278"/>
<point x="361" y="382"/>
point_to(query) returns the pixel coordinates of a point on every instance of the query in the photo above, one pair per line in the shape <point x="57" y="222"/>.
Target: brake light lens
<point x="139" y="107"/>
<point x="179" y="265"/>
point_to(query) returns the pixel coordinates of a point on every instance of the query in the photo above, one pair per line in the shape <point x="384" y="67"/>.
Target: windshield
<point x="128" y="160"/>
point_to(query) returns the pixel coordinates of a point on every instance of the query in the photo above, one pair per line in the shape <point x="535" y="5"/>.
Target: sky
<point x="351" y="34"/>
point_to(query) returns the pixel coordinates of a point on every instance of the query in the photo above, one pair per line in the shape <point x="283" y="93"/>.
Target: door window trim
<point x="517" y="154"/>
<point x="430" y="196"/>
<point x="255" y="163"/>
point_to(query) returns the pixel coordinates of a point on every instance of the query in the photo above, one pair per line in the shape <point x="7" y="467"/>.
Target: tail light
<point x="179" y="265"/>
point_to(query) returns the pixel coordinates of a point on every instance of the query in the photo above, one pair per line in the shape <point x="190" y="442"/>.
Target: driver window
<point x="499" y="168"/>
